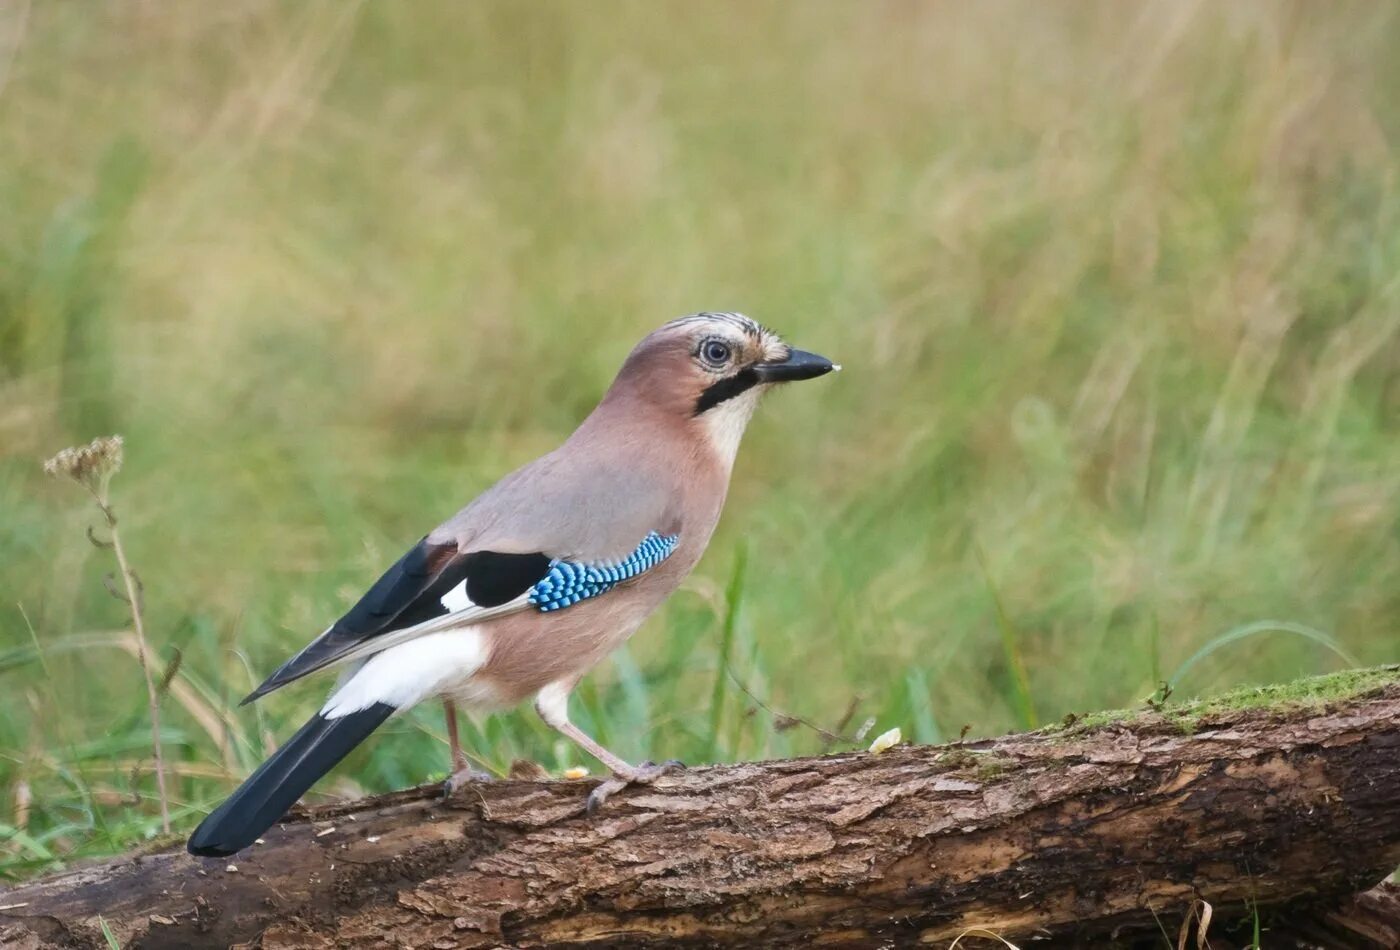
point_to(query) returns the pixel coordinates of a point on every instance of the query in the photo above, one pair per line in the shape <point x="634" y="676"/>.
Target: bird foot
<point x="460" y="778"/>
<point x="643" y="774"/>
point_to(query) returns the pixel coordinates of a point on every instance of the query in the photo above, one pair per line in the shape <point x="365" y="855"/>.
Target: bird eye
<point x="716" y="352"/>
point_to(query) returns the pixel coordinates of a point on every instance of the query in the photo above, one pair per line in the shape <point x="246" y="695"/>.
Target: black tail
<point x="282" y="779"/>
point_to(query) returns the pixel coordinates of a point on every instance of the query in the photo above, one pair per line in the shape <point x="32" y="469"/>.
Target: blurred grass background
<point x="1116" y="286"/>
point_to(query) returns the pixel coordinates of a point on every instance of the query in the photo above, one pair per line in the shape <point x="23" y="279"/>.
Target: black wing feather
<point x="409" y="593"/>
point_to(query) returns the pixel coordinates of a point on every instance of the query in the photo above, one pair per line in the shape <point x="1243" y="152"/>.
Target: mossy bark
<point x="1087" y="836"/>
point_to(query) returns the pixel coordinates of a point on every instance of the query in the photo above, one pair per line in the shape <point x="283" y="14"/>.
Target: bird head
<point x="712" y="368"/>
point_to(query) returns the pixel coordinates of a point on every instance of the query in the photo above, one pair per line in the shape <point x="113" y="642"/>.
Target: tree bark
<point x="1086" y="835"/>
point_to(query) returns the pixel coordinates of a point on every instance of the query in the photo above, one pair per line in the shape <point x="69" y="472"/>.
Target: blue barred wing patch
<point x="569" y="582"/>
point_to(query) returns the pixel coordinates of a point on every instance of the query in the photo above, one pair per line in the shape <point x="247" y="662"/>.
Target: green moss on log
<point x="1313" y="692"/>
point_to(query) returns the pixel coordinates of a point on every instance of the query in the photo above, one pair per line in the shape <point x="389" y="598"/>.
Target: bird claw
<point x="460" y="778"/>
<point x="644" y="774"/>
<point x="602" y="793"/>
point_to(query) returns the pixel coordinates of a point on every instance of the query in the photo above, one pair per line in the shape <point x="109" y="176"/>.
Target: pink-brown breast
<point x="530" y="650"/>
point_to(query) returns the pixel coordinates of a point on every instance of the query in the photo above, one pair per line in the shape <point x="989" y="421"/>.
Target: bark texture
<point x="1086" y="835"/>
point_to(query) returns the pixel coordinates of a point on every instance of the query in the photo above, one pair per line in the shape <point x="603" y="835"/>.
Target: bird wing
<point x="434" y="581"/>
<point x="524" y="544"/>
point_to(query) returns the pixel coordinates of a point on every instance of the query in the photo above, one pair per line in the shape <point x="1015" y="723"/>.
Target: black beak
<point x="799" y="365"/>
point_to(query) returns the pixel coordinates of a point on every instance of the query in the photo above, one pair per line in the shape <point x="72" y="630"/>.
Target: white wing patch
<point x="456" y="599"/>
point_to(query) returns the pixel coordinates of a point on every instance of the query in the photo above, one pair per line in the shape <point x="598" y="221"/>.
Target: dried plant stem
<point x="92" y="466"/>
<point x="133" y="597"/>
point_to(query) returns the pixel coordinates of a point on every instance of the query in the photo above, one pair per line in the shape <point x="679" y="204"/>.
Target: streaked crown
<point x="698" y="363"/>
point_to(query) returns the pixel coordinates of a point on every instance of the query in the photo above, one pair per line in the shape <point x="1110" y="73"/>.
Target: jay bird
<point x="524" y="590"/>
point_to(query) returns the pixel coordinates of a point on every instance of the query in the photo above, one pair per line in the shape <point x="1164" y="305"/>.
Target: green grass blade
<point x="734" y="596"/>
<point x="1020" y="682"/>
<point x="918" y="696"/>
<point x="1245" y="631"/>
<point x="635" y="711"/>
<point x="26" y="841"/>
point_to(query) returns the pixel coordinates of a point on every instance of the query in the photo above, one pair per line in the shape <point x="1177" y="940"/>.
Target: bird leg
<point x="552" y="704"/>
<point x="462" y="771"/>
<point x="454" y="743"/>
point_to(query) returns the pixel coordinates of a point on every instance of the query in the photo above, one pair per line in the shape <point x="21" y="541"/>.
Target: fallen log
<point x="1274" y="806"/>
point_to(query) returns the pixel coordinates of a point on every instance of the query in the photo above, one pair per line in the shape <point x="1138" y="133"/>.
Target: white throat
<point x="725" y="423"/>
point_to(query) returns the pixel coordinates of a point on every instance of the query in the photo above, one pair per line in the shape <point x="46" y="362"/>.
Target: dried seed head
<point x="91" y="465"/>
